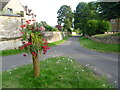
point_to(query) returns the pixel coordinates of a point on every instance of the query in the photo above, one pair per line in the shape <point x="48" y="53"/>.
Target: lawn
<point x="17" y="51"/>
<point x="101" y="47"/>
<point x="58" y="72"/>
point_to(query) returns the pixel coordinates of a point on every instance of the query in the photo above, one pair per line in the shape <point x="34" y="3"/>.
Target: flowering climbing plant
<point x="33" y="38"/>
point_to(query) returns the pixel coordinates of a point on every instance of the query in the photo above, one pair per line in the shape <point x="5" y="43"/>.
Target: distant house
<point x="115" y="25"/>
<point x="15" y="7"/>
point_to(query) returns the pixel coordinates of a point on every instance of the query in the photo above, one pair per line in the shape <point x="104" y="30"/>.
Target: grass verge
<point x="58" y="72"/>
<point x="58" y="42"/>
<point x="106" y="35"/>
<point x="101" y="47"/>
<point x="17" y="51"/>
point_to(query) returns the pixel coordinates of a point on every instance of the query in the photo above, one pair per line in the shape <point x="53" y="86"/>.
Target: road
<point x="101" y="63"/>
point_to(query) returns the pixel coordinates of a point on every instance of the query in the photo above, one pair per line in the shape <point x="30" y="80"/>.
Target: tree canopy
<point x="83" y="13"/>
<point x="109" y="10"/>
<point x="65" y="15"/>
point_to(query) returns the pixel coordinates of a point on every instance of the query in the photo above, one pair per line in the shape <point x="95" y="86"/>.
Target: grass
<point x="58" y="42"/>
<point x="58" y="72"/>
<point x="10" y="52"/>
<point x="101" y="47"/>
<point x="106" y="35"/>
<point x="17" y="51"/>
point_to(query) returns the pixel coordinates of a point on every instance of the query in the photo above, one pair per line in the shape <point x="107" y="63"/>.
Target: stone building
<point x="15" y="7"/>
<point x="12" y="12"/>
<point x="115" y="25"/>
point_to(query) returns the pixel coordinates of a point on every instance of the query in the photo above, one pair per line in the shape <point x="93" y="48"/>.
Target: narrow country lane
<point x="101" y="63"/>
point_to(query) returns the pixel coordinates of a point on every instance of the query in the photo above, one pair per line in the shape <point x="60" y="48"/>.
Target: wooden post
<point x="36" y="66"/>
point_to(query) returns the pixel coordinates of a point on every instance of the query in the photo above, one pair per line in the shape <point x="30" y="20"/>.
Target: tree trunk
<point x="36" y="66"/>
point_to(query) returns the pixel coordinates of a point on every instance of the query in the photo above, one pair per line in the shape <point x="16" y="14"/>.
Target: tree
<point x="83" y="13"/>
<point x="91" y="27"/>
<point x="97" y="27"/>
<point x="67" y="25"/>
<point x="109" y="10"/>
<point x="34" y="42"/>
<point x="47" y="27"/>
<point x="65" y="13"/>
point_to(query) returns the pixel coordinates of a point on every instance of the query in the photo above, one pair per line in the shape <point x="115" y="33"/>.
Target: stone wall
<point x="108" y="39"/>
<point x="15" y="43"/>
<point x="9" y="27"/>
<point x="10" y="34"/>
<point x="55" y="36"/>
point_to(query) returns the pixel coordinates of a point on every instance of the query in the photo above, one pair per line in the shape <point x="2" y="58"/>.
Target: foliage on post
<point x="34" y="42"/>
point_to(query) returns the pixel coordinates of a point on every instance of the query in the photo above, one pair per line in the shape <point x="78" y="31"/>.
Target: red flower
<point x="28" y="22"/>
<point x="45" y="50"/>
<point x="44" y="47"/>
<point x="22" y="26"/>
<point x="33" y="53"/>
<point x="29" y="43"/>
<point x="45" y="43"/>
<point x="24" y="55"/>
<point x="22" y="32"/>
<point x="25" y="45"/>
<point x="42" y="39"/>
<point x="21" y="48"/>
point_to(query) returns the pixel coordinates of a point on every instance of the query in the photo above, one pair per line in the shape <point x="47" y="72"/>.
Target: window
<point x="9" y="10"/>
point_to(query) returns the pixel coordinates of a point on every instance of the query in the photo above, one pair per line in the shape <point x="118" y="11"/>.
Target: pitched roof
<point x="4" y="2"/>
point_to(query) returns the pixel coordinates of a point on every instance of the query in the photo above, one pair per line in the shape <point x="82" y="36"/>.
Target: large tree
<point x="65" y="15"/>
<point x="83" y="13"/>
<point x="109" y="10"/>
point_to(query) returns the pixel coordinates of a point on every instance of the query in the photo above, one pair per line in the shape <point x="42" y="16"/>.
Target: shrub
<point x="93" y="27"/>
<point x="48" y="28"/>
<point x="90" y="27"/>
<point x="55" y="29"/>
<point x="105" y="26"/>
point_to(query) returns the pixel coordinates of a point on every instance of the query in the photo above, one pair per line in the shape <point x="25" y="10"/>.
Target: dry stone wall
<point x="9" y="32"/>
<point x="108" y="40"/>
<point x="55" y="36"/>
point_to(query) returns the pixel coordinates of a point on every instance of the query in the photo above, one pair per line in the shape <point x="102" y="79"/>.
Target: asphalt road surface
<point x="101" y="63"/>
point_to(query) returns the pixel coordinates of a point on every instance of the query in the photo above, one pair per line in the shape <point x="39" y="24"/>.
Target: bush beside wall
<point x="93" y="27"/>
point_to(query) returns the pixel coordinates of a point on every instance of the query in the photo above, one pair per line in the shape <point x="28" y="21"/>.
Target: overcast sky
<point x="46" y="10"/>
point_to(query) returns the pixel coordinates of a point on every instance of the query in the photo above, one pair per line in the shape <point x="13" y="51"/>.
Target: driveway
<point x="101" y="63"/>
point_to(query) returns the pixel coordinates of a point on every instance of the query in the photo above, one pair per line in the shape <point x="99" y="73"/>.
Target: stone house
<point x="115" y="25"/>
<point x="12" y="12"/>
<point x="15" y="7"/>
